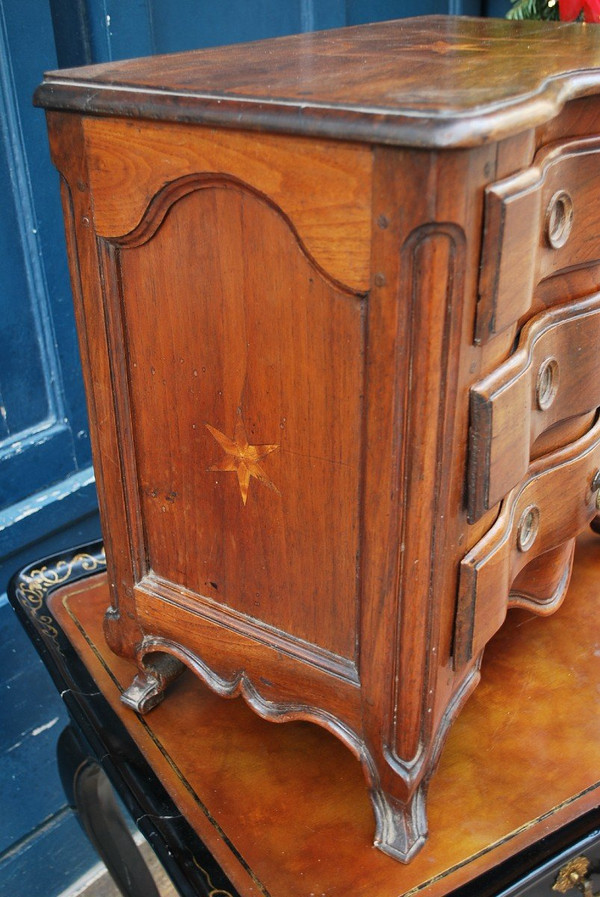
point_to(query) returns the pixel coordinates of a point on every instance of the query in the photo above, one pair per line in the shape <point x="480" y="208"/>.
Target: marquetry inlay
<point x="242" y="458"/>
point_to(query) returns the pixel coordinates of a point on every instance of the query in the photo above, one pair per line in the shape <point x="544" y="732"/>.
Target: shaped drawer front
<point x="553" y="375"/>
<point x="555" y="502"/>
<point x="540" y="221"/>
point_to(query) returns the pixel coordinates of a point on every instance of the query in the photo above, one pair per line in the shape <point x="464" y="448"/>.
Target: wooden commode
<point x="338" y="301"/>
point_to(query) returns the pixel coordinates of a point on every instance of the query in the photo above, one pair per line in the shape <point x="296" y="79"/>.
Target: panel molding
<point x="204" y="607"/>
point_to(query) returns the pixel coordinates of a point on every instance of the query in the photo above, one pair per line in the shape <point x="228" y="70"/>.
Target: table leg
<point x="90" y="794"/>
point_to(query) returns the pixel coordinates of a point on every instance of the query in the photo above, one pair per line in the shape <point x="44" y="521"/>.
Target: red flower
<point x="591" y="10"/>
<point x="569" y="10"/>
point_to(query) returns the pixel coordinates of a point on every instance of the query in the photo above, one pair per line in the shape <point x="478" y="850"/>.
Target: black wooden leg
<point x="90" y="794"/>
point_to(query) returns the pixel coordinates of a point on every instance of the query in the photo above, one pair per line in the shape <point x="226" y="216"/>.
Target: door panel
<point x="43" y="430"/>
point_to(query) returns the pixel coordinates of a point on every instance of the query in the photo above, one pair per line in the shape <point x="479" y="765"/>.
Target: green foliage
<point x="534" y="9"/>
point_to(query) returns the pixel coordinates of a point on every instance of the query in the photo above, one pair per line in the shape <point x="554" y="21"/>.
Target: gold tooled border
<point x="35" y="583"/>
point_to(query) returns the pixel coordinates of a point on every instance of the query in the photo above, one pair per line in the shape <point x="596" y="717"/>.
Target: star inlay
<point x="242" y="458"/>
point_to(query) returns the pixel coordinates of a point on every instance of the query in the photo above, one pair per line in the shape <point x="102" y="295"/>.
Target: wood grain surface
<point x="323" y="188"/>
<point x="414" y="81"/>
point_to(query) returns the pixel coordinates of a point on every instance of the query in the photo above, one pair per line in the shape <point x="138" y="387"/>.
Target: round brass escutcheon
<point x="574" y="875"/>
<point x="559" y="219"/>
<point x="547" y="383"/>
<point x="529" y="525"/>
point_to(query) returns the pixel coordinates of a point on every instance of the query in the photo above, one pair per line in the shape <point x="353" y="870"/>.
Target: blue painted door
<point x="47" y="498"/>
<point x="45" y="474"/>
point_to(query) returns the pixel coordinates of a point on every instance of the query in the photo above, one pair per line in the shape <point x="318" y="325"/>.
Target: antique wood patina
<point x="337" y="299"/>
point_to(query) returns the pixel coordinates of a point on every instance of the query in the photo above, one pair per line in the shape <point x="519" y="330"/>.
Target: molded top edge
<point x="427" y="81"/>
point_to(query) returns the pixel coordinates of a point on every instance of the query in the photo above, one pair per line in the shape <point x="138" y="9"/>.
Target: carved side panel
<point x="324" y="187"/>
<point x="244" y="369"/>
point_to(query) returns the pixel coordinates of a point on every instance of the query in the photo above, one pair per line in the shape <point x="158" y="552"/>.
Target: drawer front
<point x="556" y="501"/>
<point x="538" y="222"/>
<point x="580" y="863"/>
<point x="554" y="375"/>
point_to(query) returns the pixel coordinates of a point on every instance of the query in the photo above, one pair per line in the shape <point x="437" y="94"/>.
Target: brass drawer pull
<point x="574" y="874"/>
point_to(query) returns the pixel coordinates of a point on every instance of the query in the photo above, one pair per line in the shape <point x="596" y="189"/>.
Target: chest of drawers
<point x="338" y="307"/>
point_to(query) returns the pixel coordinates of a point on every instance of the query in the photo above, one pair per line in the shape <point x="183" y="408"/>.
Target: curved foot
<point x="148" y="688"/>
<point x="401" y="828"/>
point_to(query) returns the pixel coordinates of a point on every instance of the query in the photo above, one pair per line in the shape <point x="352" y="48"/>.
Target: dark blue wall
<point x="47" y="496"/>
